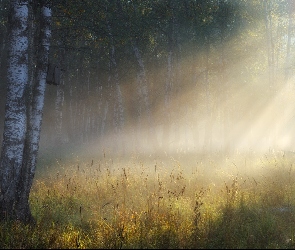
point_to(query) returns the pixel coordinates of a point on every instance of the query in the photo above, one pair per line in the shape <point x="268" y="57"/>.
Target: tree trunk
<point x="118" y="100"/>
<point x="59" y="101"/>
<point x="269" y="41"/>
<point x="22" y="135"/>
<point x="35" y="117"/>
<point x="168" y="89"/>
<point x="170" y="80"/>
<point x="15" y="112"/>
<point x="144" y="102"/>
<point x="209" y="121"/>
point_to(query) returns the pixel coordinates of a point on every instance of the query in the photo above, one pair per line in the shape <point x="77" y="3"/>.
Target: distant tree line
<point x="135" y="50"/>
<point x="153" y="66"/>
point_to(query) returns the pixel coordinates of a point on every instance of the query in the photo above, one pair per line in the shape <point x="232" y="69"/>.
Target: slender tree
<point x="15" y="111"/>
<point x="35" y="114"/>
<point x="23" y="116"/>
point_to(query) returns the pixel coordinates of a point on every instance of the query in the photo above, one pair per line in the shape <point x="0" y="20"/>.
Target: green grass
<point x="152" y="202"/>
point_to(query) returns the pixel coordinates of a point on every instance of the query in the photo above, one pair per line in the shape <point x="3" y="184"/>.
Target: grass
<point x="241" y="202"/>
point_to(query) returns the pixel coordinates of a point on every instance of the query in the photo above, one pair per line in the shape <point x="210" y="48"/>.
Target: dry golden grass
<point x="239" y="202"/>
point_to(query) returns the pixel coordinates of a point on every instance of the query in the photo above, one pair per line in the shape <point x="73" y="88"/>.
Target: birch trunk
<point x="144" y="101"/>
<point x="59" y="101"/>
<point x="167" y="105"/>
<point x="170" y="78"/>
<point x="35" y="118"/>
<point x="21" y="136"/>
<point x="118" y="102"/>
<point x="15" y="111"/>
<point x="209" y="122"/>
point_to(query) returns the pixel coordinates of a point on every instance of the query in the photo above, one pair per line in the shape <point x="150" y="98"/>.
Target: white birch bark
<point x="15" y="111"/>
<point x="35" y="117"/>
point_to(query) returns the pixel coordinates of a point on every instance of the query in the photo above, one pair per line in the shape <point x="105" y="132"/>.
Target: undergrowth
<point x="103" y="204"/>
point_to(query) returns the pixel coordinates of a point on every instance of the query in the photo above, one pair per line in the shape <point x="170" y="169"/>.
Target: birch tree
<point x="15" y="111"/>
<point x="23" y="116"/>
<point x="35" y="116"/>
<point x="170" y="75"/>
<point x="118" y="105"/>
<point x="142" y="89"/>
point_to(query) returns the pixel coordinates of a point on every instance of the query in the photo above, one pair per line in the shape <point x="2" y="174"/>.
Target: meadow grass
<point x="152" y="202"/>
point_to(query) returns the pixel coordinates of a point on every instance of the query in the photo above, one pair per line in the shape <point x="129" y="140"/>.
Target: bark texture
<point x="23" y="114"/>
<point x="35" y="117"/>
<point x="15" y="109"/>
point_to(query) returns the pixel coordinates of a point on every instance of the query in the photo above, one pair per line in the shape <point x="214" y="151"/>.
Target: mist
<point x="227" y="90"/>
<point x="224" y="114"/>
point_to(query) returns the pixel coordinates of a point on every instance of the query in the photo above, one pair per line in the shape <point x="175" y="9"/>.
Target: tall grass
<point x="153" y="203"/>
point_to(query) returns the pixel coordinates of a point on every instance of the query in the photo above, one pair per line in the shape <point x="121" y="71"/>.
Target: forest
<point x="189" y="75"/>
<point x="168" y="124"/>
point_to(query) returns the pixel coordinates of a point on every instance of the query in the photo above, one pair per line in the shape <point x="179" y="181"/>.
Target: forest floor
<point x="179" y="201"/>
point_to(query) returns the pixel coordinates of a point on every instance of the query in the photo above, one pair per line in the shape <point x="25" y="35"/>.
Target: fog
<point x="229" y="117"/>
<point x="224" y="103"/>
